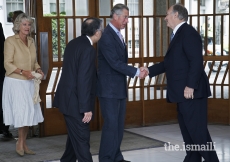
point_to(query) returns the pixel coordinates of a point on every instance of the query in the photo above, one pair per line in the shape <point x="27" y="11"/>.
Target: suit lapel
<point x="175" y="37"/>
<point x="116" y="37"/>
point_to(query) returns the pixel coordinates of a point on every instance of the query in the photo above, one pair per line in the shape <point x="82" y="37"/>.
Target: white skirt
<point x="19" y="109"/>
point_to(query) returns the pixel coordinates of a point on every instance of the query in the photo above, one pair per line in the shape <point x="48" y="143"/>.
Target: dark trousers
<point x="192" y="117"/>
<point x="77" y="145"/>
<point x="113" y="113"/>
<point x="2" y="126"/>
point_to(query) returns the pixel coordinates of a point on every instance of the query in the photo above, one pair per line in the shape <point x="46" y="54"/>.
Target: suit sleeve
<point x="2" y="40"/>
<point x="108" y="50"/>
<point x="156" y="69"/>
<point x="86" y="71"/>
<point x="192" y="47"/>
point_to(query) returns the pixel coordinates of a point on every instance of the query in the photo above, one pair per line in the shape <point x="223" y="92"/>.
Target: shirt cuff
<point x="138" y="72"/>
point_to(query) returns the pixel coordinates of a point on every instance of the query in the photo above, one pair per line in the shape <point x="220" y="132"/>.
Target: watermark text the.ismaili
<point x="210" y="146"/>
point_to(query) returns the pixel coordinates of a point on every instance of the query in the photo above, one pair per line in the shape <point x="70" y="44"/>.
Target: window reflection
<point x="214" y="29"/>
<point x="81" y="7"/>
<point x="13" y="6"/>
<point x="148" y="7"/>
<point x="65" y="7"/>
<point x="104" y="8"/>
<point x="222" y="6"/>
<point x="133" y="7"/>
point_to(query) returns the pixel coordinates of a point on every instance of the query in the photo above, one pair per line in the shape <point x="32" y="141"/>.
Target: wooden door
<point x="58" y="22"/>
<point x="147" y="38"/>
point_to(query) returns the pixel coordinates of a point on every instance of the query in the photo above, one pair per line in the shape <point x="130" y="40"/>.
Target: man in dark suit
<point x="75" y="95"/>
<point x="3" y="129"/>
<point x="112" y="84"/>
<point x="187" y="84"/>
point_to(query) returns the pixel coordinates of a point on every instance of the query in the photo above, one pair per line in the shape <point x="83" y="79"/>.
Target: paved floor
<point x="171" y="133"/>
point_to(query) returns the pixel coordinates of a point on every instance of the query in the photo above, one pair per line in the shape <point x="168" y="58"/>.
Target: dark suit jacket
<point x="112" y="66"/>
<point x="77" y="86"/>
<point x="2" y="40"/>
<point x="183" y="65"/>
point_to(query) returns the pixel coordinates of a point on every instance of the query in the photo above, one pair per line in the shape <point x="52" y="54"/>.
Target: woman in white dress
<point x="20" y="60"/>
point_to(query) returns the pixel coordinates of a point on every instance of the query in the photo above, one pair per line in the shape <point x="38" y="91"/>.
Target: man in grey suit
<point x="75" y="95"/>
<point x="112" y="84"/>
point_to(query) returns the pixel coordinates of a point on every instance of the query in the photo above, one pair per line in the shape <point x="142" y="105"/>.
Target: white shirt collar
<point x="177" y="27"/>
<point x="89" y="40"/>
<point x="113" y="27"/>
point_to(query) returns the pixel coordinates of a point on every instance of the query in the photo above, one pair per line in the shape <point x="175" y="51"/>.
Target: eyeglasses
<point x="125" y="17"/>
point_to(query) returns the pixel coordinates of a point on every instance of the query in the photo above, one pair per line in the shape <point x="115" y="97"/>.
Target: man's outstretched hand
<point x="144" y="71"/>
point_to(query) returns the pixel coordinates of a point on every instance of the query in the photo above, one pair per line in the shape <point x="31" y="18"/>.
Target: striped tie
<point x="121" y="38"/>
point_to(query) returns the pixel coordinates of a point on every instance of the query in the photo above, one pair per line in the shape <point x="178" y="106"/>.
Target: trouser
<point x="77" y="144"/>
<point x="113" y="113"/>
<point x="192" y="118"/>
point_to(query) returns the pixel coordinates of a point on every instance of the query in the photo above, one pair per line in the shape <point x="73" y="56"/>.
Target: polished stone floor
<point x="171" y="133"/>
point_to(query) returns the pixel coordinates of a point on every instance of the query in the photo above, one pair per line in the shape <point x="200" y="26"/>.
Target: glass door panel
<point x="104" y="8"/>
<point x="148" y="7"/>
<point x="81" y="7"/>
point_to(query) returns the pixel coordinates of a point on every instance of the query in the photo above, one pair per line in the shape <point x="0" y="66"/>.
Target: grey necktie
<point x="121" y="38"/>
<point x="171" y="37"/>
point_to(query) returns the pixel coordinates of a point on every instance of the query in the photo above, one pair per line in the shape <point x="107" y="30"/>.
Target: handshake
<point x="144" y="71"/>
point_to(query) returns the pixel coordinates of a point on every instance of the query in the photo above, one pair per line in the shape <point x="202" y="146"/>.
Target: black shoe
<point x="124" y="161"/>
<point x="7" y="134"/>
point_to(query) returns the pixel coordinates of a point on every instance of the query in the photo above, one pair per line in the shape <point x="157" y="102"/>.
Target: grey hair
<point x="18" y="21"/>
<point x="182" y="11"/>
<point x="117" y="9"/>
